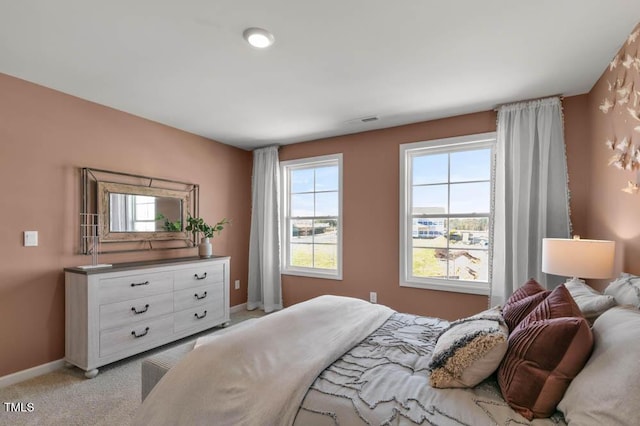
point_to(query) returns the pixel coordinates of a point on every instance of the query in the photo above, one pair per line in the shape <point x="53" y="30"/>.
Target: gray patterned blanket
<point x="384" y="381"/>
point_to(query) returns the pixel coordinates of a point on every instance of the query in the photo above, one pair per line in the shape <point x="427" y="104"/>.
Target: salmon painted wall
<point x="577" y="140"/>
<point x="371" y="206"/>
<point x="45" y="136"/>
<point x="614" y="214"/>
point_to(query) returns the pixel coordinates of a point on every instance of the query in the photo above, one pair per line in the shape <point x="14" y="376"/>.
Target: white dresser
<point x="115" y="312"/>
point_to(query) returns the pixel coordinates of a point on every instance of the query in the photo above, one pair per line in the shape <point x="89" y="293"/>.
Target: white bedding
<point x="259" y="375"/>
<point x="384" y="381"/>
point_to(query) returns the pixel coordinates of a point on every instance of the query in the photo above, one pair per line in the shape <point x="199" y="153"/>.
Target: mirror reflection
<point x="144" y="213"/>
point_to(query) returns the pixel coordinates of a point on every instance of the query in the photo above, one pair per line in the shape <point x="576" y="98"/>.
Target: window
<point x="132" y="213"/>
<point x="446" y="213"/>
<point x="144" y="213"/>
<point x="311" y="212"/>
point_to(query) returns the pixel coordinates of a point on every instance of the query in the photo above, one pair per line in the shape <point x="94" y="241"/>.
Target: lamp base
<point x="575" y="280"/>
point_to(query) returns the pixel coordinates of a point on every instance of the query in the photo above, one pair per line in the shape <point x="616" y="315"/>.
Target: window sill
<point x="313" y="274"/>
<point x="469" y="288"/>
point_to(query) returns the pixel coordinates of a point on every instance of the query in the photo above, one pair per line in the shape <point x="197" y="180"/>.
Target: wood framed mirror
<point x="133" y="212"/>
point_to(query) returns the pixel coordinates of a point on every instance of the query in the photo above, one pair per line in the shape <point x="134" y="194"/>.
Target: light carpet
<point x="66" y="397"/>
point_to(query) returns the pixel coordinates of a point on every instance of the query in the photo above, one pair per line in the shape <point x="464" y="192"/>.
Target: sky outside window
<point x="304" y="182"/>
<point x="431" y="178"/>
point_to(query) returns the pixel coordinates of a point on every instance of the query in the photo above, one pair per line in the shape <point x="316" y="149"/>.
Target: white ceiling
<point x="184" y="62"/>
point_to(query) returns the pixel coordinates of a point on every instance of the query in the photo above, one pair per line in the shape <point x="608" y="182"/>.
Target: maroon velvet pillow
<point x="522" y="302"/>
<point x="529" y="288"/>
<point x="558" y="303"/>
<point x="546" y="351"/>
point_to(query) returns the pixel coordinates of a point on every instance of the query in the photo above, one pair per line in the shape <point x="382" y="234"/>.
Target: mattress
<point x="156" y="366"/>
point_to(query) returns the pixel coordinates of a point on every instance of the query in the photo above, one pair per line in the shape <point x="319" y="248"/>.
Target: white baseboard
<point x="238" y="308"/>
<point x="30" y="373"/>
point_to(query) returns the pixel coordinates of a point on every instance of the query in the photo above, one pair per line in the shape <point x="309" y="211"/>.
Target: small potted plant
<point x="198" y="225"/>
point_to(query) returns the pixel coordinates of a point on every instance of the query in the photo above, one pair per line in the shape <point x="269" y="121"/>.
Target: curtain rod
<point x="528" y="100"/>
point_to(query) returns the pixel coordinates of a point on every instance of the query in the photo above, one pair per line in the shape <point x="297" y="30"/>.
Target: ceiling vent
<point x="360" y="120"/>
<point x="369" y="119"/>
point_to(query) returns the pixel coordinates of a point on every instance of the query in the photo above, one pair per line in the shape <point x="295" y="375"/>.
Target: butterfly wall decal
<point x="631" y="188"/>
<point x="623" y="75"/>
<point x="614" y="63"/>
<point x="617" y="160"/>
<point x="628" y="61"/>
<point x="606" y="105"/>
<point x="623" y="100"/>
<point x="623" y="145"/>
<point x="610" y="144"/>
<point x="626" y="90"/>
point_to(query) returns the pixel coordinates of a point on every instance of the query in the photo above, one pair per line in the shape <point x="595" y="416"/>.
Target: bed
<point x="342" y="361"/>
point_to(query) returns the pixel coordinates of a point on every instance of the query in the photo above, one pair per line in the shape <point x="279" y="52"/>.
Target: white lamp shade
<point x="578" y="258"/>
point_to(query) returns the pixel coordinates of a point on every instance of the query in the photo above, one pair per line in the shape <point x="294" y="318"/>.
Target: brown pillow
<point x="559" y="303"/>
<point x="546" y="351"/>
<point x="529" y="288"/>
<point x="522" y="302"/>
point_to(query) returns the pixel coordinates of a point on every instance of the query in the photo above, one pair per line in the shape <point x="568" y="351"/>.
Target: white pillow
<point x="469" y="351"/>
<point x="607" y="390"/>
<point x="591" y="302"/>
<point x="625" y="289"/>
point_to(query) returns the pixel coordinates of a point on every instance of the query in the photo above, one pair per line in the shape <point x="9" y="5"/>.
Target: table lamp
<point x="577" y="258"/>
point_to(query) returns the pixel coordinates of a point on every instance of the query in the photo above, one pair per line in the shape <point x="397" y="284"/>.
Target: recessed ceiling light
<point x="258" y="37"/>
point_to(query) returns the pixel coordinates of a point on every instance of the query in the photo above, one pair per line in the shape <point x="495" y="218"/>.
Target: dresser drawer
<point x="134" y="287"/>
<point x="142" y="333"/>
<point x="128" y="312"/>
<point x="198" y="296"/>
<point x="199" y="318"/>
<point x="199" y="275"/>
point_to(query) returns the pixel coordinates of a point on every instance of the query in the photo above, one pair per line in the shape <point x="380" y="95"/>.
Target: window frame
<point x="285" y="217"/>
<point x="446" y="145"/>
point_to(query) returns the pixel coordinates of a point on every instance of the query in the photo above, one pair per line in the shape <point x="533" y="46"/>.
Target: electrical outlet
<point x="373" y="297"/>
<point x="237" y="285"/>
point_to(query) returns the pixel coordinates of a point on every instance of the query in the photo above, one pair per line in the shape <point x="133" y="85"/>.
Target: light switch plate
<point x="30" y="238"/>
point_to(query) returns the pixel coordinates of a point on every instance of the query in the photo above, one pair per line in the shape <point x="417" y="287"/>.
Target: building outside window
<point x="311" y="216"/>
<point x="446" y="213"/>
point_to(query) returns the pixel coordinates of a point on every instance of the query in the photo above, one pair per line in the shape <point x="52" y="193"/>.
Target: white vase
<point x="205" y="249"/>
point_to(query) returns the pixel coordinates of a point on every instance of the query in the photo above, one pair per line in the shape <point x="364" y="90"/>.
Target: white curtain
<point x="265" y="289"/>
<point x="118" y="213"/>
<point x="531" y="193"/>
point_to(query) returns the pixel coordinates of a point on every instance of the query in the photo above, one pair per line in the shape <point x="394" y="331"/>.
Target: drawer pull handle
<point x="200" y="317"/>
<point x="200" y="278"/>
<point x="146" y="330"/>
<point x="135" y="311"/>
<point x="200" y="297"/>
<point x="137" y="284"/>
